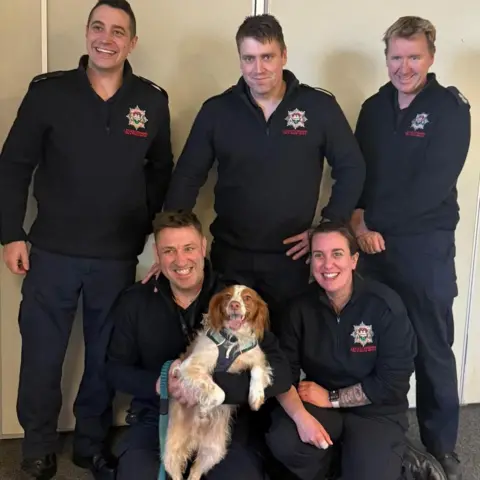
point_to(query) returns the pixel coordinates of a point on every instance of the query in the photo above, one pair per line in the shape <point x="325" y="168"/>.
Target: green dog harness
<point x="228" y="348"/>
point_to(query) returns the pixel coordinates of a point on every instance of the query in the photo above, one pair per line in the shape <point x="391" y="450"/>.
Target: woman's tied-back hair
<point x="407" y="27"/>
<point x="336" y="227"/>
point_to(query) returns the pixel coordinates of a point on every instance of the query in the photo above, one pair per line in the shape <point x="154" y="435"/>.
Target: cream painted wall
<point x="344" y="54"/>
<point x="471" y="393"/>
<point x="189" y="50"/>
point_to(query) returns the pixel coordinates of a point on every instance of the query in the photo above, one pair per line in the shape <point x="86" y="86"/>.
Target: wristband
<point x="334" y="398"/>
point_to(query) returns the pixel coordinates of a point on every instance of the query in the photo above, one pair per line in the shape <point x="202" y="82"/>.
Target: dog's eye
<point x="248" y="298"/>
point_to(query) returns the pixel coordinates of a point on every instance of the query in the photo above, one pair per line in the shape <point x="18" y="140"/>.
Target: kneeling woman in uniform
<point x="354" y="341"/>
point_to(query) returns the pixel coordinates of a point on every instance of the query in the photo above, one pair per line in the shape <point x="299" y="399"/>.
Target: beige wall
<point x="188" y="48"/>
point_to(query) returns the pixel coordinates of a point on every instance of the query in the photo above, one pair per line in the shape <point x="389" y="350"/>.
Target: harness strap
<point x="230" y="341"/>
<point x="163" y="417"/>
<point x="228" y="348"/>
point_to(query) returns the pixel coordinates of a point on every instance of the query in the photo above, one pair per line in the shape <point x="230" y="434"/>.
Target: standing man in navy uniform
<point x="99" y="139"/>
<point x="415" y="135"/>
<point x="270" y="135"/>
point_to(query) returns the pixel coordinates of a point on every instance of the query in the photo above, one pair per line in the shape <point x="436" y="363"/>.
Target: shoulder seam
<point x="323" y="90"/>
<point x="154" y="85"/>
<point x="228" y="90"/>
<point x="47" y="75"/>
<point x="461" y="99"/>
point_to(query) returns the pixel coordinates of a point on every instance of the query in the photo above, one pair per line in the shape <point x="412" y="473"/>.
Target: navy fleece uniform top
<point x="413" y="159"/>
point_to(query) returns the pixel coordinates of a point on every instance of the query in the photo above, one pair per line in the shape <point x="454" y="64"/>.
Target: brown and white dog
<point x="232" y="329"/>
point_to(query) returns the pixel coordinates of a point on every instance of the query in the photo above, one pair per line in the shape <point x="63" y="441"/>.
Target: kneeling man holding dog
<point x="154" y="323"/>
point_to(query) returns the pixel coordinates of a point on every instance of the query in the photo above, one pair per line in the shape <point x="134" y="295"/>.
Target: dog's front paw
<point x="212" y="399"/>
<point x="218" y="396"/>
<point x="256" y="397"/>
<point x="268" y="377"/>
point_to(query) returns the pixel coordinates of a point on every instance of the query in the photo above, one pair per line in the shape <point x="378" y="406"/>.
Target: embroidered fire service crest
<point x="296" y="118"/>
<point x="362" y="334"/>
<point x="419" y="122"/>
<point x="137" y="118"/>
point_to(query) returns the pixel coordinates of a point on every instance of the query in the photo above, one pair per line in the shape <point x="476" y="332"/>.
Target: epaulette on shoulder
<point x="327" y="92"/>
<point x="154" y="85"/>
<point x="459" y="96"/>
<point x="227" y="91"/>
<point x="46" y="76"/>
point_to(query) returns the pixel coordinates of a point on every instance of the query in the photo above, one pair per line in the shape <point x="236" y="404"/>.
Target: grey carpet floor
<point x="468" y="449"/>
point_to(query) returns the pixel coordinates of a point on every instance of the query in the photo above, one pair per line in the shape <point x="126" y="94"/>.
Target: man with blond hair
<point x="415" y="134"/>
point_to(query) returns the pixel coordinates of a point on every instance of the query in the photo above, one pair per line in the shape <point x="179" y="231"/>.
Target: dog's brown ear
<point x="215" y="312"/>
<point x="261" y="320"/>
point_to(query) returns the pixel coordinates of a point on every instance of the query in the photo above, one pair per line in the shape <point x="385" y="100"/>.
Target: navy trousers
<point x="421" y="268"/>
<point x="371" y="447"/>
<point x="139" y="457"/>
<point x="50" y="295"/>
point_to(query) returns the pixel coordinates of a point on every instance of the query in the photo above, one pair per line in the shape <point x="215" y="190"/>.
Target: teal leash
<point x="163" y="417"/>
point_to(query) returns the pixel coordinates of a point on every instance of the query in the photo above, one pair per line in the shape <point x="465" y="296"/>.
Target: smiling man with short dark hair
<point x="270" y="135"/>
<point x="154" y="323"/>
<point x="98" y="137"/>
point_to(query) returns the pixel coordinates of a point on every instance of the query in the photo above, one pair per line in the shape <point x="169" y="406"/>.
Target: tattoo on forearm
<point x="353" y="397"/>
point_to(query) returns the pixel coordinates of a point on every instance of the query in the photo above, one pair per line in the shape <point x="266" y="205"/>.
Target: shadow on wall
<point x="344" y="73"/>
<point x="467" y="67"/>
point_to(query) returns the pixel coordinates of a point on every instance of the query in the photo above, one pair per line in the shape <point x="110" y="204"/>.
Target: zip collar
<point x="242" y="89"/>
<point x="127" y="77"/>
<point x="358" y="288"/>
<point x="389" y="90"/>
<point x="191" y="318"/>
<point x="163" y="285"/>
